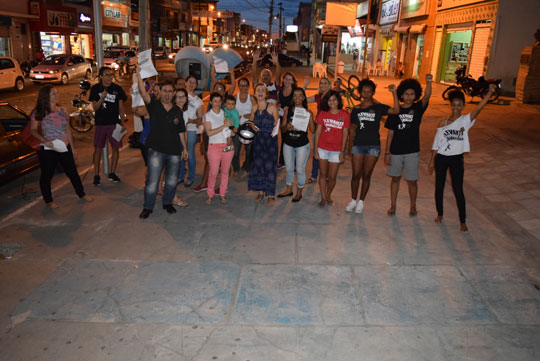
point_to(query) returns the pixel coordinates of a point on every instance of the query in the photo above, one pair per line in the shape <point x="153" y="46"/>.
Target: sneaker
<point x="113" y="178"/>
<point x="359" y="207"/>
<point x="97" y="180"/>
<point x="350" y="207"/>
<point x="200" y="189"/>
<point x="280" y="166"/>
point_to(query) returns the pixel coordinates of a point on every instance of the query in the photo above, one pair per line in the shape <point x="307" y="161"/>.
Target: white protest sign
<point x="300" y="120"/>
<point x="145" y="62"/>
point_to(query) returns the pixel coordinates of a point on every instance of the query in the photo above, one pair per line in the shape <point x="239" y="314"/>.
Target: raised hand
<point x="275" y="57"/>
<point x="307" y="79"/>
<point x="429" y="78"/>
<point x="392" y="88"/>
<point x="492" y="88"/>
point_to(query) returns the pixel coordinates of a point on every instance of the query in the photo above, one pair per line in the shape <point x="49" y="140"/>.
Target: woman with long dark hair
<point x="296" y="146"/>
<point x="285" y="98"/>
<point x="262" y="177"/>
<point x="57" y="144"/>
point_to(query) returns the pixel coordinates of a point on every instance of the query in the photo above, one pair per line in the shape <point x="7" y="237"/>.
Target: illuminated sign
<point x="389" y="12"/>
<point x="113" y="13"/>
<point x="84" y="18"/>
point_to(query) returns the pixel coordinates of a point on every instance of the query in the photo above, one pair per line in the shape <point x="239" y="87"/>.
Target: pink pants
<point x="217" y="157"/>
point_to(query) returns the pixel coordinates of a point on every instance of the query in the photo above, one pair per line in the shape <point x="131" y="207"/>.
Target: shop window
<point x="4" y="46"/>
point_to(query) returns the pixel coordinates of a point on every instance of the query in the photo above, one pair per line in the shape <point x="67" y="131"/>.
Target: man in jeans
<point x="166" y="145"/>
<point x="108" y="101"/>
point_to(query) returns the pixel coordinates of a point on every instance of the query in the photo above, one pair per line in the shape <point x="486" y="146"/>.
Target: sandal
<point x="311" y="180"/>
<point x="177" y="201"/>
<point x="259" y="198"/>
<point x="270" y="201"/>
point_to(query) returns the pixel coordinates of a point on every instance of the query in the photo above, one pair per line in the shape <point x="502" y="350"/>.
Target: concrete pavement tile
<point x="521" y="214"/>
<point x="18" y="280"/>
<point x="76" y="291"/>
<point x="172" y="293"/>
<point x="142" y="241"/>
<point x="74" y="341"/>
<point x="487" y="190"/>
<point x="258" y="243"/>
<point x="535" y="192"/>
<point x="497" y="198"/>
<point x="509" y="293"/>
<point x="399" y="295"/>
<point x="530" y="224"/>
<point x="301" y="295"/>
<point x="369" y="344"/>
<point x="354" y="243"/>
<point x="535" y="233"/>
<point x="531" y="204"/>
<point x="516" y="196"/>
<point x="494" y="343"/>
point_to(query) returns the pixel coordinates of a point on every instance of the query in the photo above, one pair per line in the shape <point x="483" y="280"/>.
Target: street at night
<point x="262" y="269"/>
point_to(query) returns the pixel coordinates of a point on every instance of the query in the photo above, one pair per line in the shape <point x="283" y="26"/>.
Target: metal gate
<point x="479" y="50"/>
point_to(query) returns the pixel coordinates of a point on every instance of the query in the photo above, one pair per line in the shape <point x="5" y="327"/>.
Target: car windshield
<point x="54" y="60"/>
<point x="111" y="54"/>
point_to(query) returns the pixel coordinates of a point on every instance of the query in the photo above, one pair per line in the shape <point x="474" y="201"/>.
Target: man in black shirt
<point x="108" y="101"/>
<point x="166" y="145"/>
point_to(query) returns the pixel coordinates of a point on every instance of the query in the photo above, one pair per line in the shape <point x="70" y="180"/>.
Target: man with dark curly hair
<point x="403" y="142"/>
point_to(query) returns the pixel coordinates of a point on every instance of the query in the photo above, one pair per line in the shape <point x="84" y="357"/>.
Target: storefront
<point x="15" y="32"/>
<point x="388" y="39"/>
<point x="115" y="16"/>
<point x="53" y="30"/>
<point x="462" y="37"/>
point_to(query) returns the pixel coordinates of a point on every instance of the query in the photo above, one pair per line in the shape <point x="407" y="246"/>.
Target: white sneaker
<point x="359" y="207"/>
<point x="350" y="206"/>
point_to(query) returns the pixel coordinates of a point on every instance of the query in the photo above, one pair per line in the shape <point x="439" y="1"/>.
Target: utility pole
<point x="366" y="31"/>
<point x="270" y="19"/>
<point x="143" y="25"/>
<point x="280" y="21"/>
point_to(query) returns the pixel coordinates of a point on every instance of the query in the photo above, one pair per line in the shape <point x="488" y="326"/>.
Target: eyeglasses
<point x="107" y="74"/>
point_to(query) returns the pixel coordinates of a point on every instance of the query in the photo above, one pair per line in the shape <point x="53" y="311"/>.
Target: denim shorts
<point x="331" y="156"/>
<point x="373" y="150"/>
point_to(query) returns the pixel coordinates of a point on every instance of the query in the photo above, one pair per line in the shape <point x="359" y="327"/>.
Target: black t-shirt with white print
<point x="108" y="113"/>
<point x="406" y="127"/>
<point x="367" y="122"/>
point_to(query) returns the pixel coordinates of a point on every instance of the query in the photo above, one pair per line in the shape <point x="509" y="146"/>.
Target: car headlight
<point x="114" y="65"/>
<point x="171" y="56"/>
<point x="53" y="71"/>
<point x="247" y="52"/>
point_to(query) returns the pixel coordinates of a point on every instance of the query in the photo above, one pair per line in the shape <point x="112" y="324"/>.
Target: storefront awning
<point x="418" y="29"/>
<point x="19" y="15"/>
<point x="401" y="29"/>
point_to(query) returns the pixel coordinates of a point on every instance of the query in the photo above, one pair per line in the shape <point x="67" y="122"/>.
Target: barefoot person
<point x="330" y="139"/>
<point x="216" y="126"/>
<point x="296" y="145"/>
<point x="54" y="125"/>
<point x="365" y="121"/>
<point x="262" y="177"/>
<point x="451" y="142"/>
<point x="166" y="144"/>
<point x="403" y="142"/>
<point x="108" y="101"/>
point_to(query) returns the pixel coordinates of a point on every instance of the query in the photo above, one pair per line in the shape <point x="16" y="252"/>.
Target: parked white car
<point x="11" y="75"/>
<point x="60" y="68"/>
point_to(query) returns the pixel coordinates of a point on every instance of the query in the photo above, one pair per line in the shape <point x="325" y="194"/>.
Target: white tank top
<point x="243" y="108"/>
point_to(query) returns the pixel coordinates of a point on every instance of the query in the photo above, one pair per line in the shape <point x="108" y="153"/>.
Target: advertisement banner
<point x="60" y="19"/>
<point x="413" y="8"/>
<point x="329" y="34"/>
<point x="342" y="14"/>
<point x="115" y="14"/>
<point x="389" y="12"/>
<point x="447" y="4"/>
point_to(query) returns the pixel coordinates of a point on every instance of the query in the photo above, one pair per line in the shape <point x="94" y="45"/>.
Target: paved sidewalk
<point x="245" y="281"/>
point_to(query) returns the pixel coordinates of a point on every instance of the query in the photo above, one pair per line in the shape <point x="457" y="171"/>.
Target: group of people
<point x="175" y="120"/>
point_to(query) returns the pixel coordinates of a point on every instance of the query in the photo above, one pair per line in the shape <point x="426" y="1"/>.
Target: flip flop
<point x="180" y="202"/>
<point x="311" y="180"/>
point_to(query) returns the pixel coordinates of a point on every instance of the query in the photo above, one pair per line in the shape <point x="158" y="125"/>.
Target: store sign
<point x="362" y="9"/>
<point x="389" y="12"/>
<point x="60" y="19"/>
<point x="357" y="30"/>
<point x="117" y="15"/>
<point x="85" y="20"/>
<point x="329" y="34"/>
<point x="413" y="8"/>
<point x="447" y="4"/>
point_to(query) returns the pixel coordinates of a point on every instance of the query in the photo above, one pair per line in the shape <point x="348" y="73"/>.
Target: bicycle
<point x="351" y="92"/>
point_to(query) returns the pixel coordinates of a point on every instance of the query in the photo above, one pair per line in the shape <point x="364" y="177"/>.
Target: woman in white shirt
<point x="451" y="141"/>
<point x="244" y="104"/>
<point x="217" y="129"/>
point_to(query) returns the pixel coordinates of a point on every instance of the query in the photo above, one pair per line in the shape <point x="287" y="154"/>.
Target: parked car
<point x="61" y="68"/>
<point x="172" y="54"/>
<point x="16" y="158"/>
<point x="284" y="60"/>
<point x="11" y="75"/>
<point x="207" y="49"/>
<point x="161" y="52"/>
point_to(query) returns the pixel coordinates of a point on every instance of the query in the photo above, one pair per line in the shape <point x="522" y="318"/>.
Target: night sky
<point x="256" y="12"/>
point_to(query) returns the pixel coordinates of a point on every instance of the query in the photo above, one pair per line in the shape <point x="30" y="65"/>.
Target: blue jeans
<point x="315" y="163"/>
<point x="191" y="142"/>
<point x="298" y="156"/>
<point x="156" y="162"/>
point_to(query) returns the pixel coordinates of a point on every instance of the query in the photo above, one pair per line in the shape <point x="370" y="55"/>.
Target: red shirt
<point x="331" y="137"/>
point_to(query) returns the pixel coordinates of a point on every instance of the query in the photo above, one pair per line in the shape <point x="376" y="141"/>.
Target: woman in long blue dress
<point x="262" y="177"/>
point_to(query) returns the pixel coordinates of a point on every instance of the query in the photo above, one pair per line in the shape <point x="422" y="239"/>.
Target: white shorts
<point x="331" y="156"/>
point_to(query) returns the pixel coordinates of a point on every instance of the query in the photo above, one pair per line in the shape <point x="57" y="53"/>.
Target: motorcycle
<point x="473" y="88"/>
<point x="26" y="66"/>
<point x="82" y="120"/>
